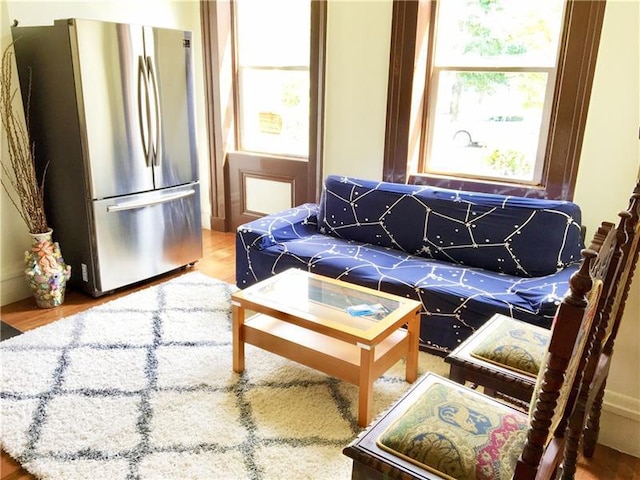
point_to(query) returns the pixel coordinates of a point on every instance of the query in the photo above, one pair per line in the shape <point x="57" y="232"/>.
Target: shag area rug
<point x="143" y="387"/>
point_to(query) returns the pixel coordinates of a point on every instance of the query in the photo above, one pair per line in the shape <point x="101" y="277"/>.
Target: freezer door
<point x="170" y="61"/>
<point x="109" y="59"/>
<point x="141" y="236"/>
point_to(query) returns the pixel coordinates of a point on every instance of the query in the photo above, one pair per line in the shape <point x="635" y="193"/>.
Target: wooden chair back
<point x="569" y="347"/>
<point x="584" y="422"/>
<point x="629" y="252"/>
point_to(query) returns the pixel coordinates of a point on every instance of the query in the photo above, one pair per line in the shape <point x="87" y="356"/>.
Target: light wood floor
<point x="219" y="262"/>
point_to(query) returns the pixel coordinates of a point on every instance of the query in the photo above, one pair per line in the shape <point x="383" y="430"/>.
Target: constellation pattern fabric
<point x="458" y="291"/>
<point x="515" y="235"/>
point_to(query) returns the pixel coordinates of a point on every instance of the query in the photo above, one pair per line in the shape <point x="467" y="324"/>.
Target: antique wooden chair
<point x="584" y="423"/>
<point x="441" y="429"/>
<point x="504" y="356"/>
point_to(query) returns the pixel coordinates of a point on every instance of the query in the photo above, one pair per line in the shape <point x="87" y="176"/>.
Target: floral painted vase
<point x="46" y="272"/>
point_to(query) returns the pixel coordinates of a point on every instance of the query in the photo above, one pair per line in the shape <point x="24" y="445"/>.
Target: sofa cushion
<point x="512" y="235"/>
<point x="456" y="299"/>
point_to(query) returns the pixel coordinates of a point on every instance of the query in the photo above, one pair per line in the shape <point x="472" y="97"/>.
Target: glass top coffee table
<point x="350" y="332"/>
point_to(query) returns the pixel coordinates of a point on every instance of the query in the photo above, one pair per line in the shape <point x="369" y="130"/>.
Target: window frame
<point x="238" y="81"/>
<point x="542" y="133"/>
<point x="217" y="39"/>
<point x="411" y="34"/>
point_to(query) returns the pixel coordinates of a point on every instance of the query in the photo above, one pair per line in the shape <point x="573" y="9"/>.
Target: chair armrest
<point x="297" y="222"/>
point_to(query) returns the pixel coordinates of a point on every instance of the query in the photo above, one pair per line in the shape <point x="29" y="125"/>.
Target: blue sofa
<point x="464" y="255"/>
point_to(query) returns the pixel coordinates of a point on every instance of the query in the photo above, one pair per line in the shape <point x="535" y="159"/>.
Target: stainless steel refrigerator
<point x="111" y="113"/>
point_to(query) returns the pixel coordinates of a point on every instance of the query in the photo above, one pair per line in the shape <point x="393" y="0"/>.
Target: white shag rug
<point x="142" y="387"/>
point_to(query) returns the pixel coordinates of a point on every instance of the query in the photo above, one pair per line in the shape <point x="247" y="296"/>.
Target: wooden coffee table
<point x="303" y="317"/>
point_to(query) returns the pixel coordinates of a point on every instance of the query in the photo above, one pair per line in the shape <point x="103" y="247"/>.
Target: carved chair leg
<point x="457" y="374"/>
<point x="491" y="392"/>
<point x="573" y="436"/>
<point x="360" y="471"/>
<point x="592" y="429"/>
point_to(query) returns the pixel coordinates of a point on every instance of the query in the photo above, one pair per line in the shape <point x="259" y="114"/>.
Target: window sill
<point x="477" y="185"/>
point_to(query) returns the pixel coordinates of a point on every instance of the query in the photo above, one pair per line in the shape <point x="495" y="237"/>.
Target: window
<point x="491" y="95"/>
<point x="493" y="71"/>
<point x="272" y="55"/>
<point x="264" y="79"/>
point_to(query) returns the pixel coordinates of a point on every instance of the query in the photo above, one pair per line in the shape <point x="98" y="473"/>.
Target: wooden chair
<point x="505" y="355"/>
<point x="441" y="429"/>
<point x="584" y="423"/>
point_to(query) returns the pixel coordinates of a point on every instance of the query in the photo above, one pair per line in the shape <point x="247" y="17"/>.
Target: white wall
<point x="358" y="41"/>
<point x="610" y="163"/>
<point x="14" y="238"/>
<point x="358" y="55"/>
<point x="183" y="15"/>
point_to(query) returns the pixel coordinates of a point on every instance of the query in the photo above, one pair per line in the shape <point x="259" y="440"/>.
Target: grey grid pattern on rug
<point x="143" y="387"/>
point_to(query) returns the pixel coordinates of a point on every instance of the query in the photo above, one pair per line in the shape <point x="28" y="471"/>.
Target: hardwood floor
<point x="219" y="262"/>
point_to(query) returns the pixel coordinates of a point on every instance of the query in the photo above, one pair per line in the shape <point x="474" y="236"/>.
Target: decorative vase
<point x="46" y="272"/>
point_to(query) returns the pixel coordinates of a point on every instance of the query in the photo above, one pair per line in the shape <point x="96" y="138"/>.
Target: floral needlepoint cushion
<point x="458" y="434"/>
<point x="516" y="345"/>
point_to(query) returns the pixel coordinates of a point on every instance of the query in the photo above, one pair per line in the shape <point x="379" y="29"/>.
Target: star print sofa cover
<point x="464" y="255"/>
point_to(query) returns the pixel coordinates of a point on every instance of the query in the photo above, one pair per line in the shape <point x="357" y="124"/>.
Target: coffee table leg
<point x="413" y="331"/>
<point x="365" y="389"/>
<point x="237" y="314"/>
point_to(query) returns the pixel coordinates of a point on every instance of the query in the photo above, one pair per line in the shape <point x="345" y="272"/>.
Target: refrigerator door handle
<point x="157" y="201"/>
<point x="144" y="110"/>
<point x="157" y="117"/>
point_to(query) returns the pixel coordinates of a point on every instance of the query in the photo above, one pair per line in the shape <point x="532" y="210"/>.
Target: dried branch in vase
<point x="19" y="177"/>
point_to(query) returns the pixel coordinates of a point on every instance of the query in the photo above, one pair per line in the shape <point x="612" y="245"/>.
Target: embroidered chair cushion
<point x="458" y="434"/>
<point x="513" y="344"/>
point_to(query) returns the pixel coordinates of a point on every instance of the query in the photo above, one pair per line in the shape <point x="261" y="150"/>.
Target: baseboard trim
<point x="219" y="224"/>
<point x="13" y="286"/>
<point x="620" y="423"/>
<point x="622" y="405"/>
<point x="205" y="220"/>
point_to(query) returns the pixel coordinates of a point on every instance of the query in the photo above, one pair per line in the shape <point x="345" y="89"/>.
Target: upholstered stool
<point x="504" y="355"/>
<point x="442" y="428"/>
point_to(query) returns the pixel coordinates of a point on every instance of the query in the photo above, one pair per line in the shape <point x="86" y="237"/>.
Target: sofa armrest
<point x="297" y="222"/>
